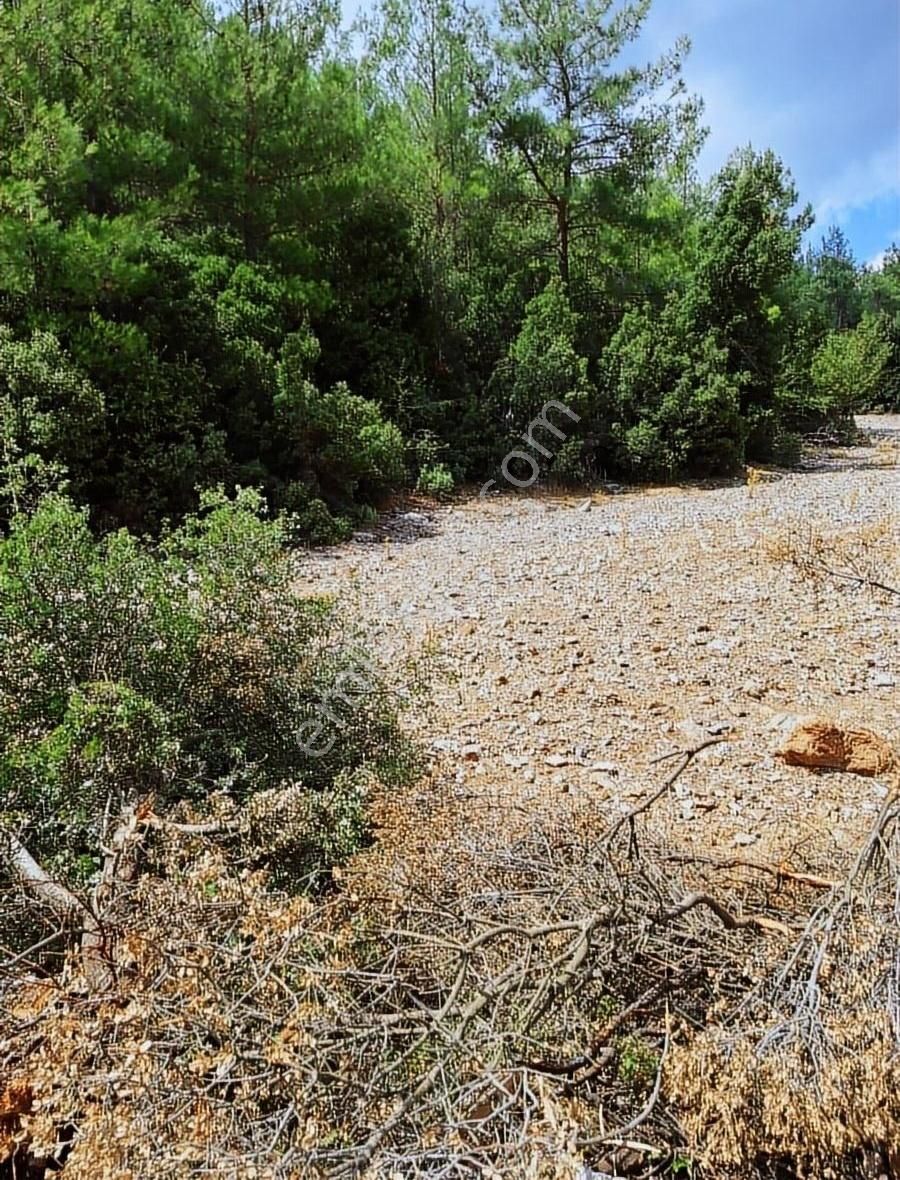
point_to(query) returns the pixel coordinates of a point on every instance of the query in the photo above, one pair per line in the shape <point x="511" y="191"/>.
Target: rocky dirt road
<point x="588" y="638"/>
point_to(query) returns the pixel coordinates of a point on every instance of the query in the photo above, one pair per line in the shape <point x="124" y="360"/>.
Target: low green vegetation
<point x="187" y="673"/>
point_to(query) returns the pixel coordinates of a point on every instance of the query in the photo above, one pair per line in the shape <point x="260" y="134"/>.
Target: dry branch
<point x="216" y="827"/>
<point x="120" y="866"/>
<point x="641" y="1117"/>
<point x="782" y="872"/>
<point x="816" y="1036"/>
<point x="435" y="1037"/>
<point x="729" y="920"/>
<point x="687" y="757"/>
<point x="23" y="868"/>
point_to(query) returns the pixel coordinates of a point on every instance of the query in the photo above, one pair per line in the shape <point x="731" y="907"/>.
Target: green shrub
<point x="176" y="673"/>
<point x="638" y="1064"/>
<point x="646" y="453"/>
<point x="302" y="833"/>
<point x="48" y="414"/>
<point x="542" y="365"/>
<point x="436" y="480"/>
<point x="569" y="462"/>
<point x="787" y="449"/>
<point x="306" y="518"/>
<point x="425" y="449"/>
<point x="674" y="405"/>
<point x="849" y="367"/>
<point x="337" y="442"/>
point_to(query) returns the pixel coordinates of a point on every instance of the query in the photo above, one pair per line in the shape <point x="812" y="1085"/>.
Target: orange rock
<point x="826" y="746"/>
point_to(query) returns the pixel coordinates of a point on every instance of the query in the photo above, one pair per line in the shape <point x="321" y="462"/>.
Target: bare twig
<point x="782" y="872"/>
<point x="729" y="920"/>
<point x="686" y="756"/>
<point x="641" y="1117"/>
<point x="216" y="827"/>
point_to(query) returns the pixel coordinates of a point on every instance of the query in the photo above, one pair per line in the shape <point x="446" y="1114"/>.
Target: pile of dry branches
<point x="807" y="1064"/>
<point x="586" y="998"/>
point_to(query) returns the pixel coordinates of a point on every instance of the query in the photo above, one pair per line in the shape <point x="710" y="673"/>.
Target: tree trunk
<point x="562" y="238"/>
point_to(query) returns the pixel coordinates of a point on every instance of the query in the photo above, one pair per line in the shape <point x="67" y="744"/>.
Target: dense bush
<point x="675" y="407"/>
<point x="338" y="443"/>
<point x="186" y="672"/>
<point x="849" y="368"/>
<point x="540" y="390"/>
<point x="48" y="411"/>
<point x="543" y="363"/>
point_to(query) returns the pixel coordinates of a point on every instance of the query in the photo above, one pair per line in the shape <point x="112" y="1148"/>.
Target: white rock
<point x="557" y="760"/>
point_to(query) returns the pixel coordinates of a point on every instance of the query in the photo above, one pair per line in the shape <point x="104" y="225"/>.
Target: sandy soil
<point x="588" y="638"/>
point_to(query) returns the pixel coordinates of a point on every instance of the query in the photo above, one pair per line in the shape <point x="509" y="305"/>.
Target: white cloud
<point x="877" y="261"/>
<point x="736" y="119"/>
<point x="860" y="184"/>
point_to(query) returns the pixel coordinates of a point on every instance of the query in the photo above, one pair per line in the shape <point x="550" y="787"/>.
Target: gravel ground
<point x="588" y="637"/>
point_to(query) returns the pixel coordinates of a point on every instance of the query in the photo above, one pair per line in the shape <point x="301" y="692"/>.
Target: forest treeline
<point x="241" y="247"/>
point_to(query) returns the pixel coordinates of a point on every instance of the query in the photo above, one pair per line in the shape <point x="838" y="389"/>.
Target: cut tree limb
<point x="119" y="867"/>
<point x="642" y="1116"/>
<point x="24" y="869"/>
<point x="686" y="758"/>
<point x="215" y="827"/>
<point x="782" y="871"/>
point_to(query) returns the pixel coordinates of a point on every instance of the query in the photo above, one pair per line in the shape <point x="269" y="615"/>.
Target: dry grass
<point x="867" y="557"/>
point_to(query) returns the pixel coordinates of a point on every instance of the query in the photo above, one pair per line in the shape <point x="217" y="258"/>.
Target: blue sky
<point x="816" y="80"/>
